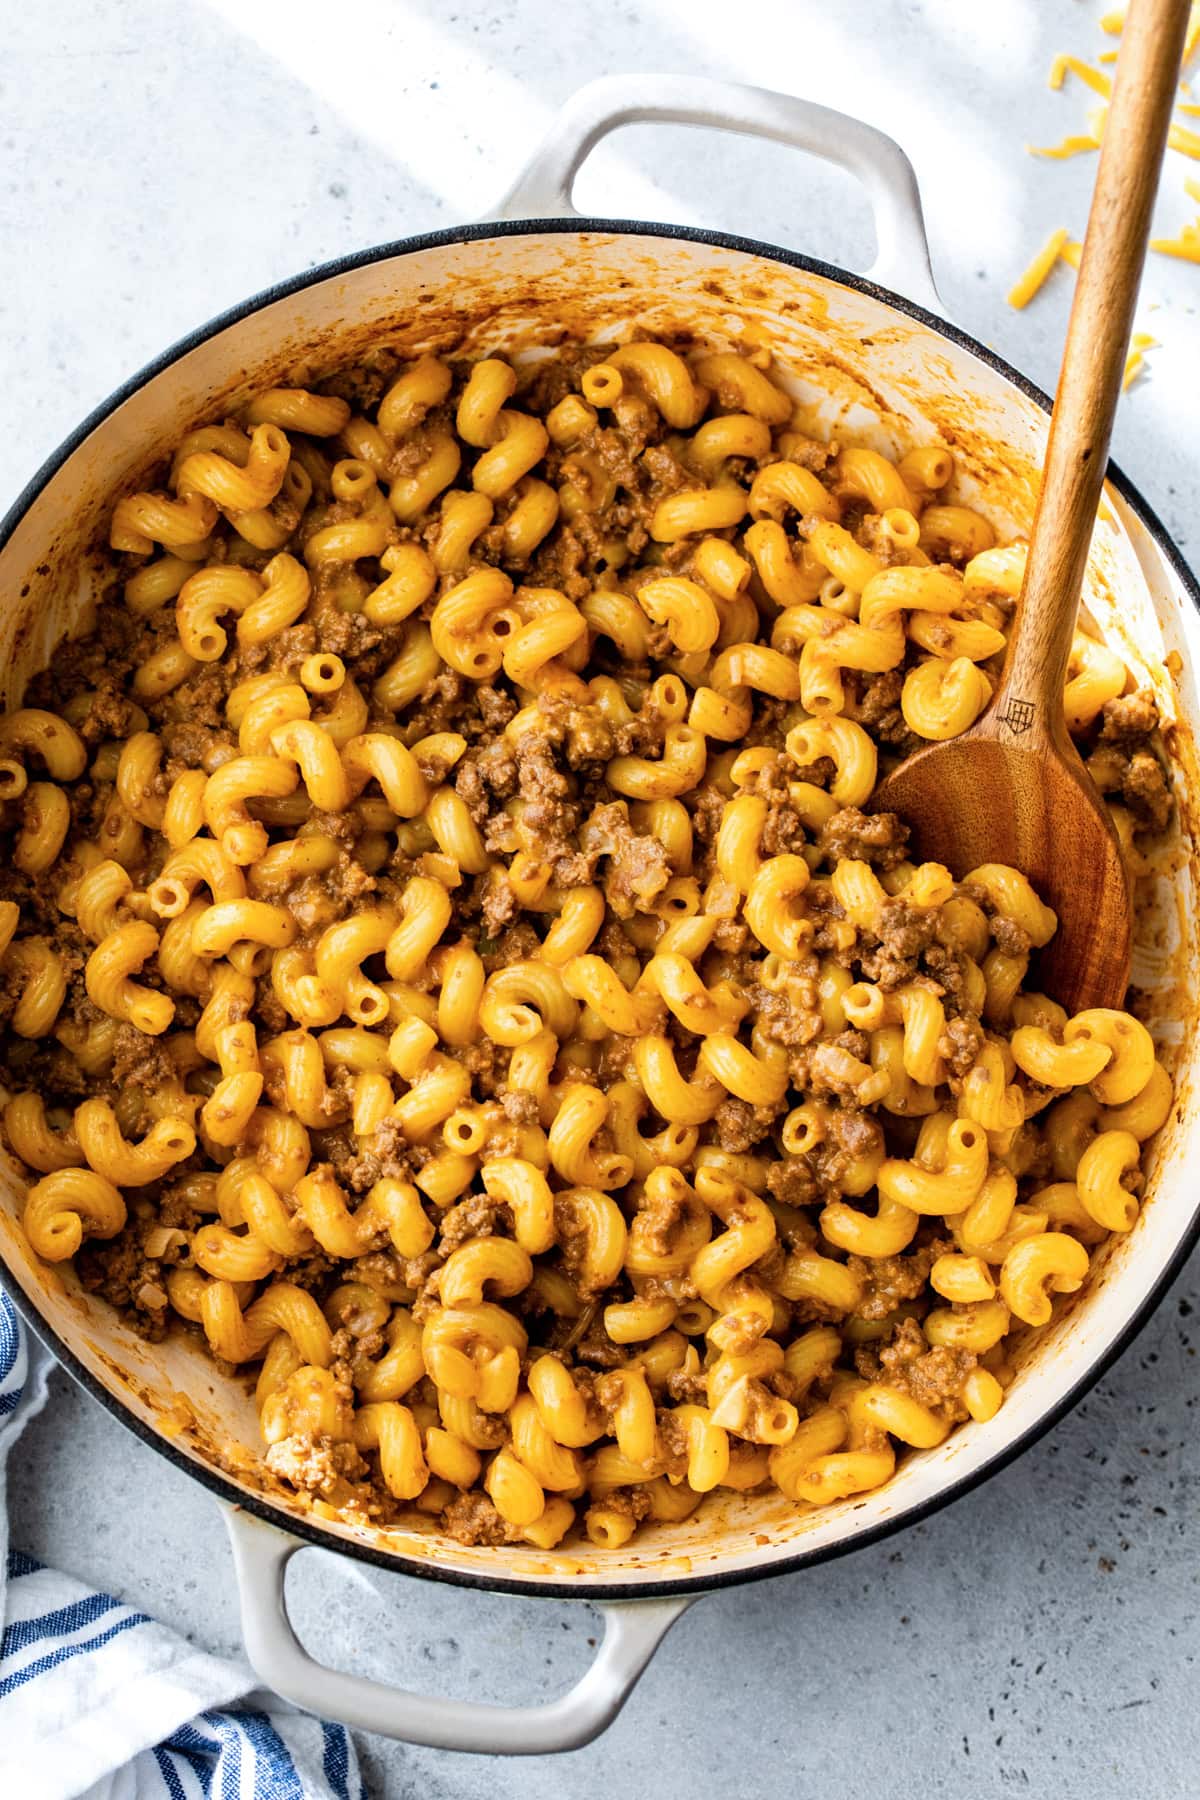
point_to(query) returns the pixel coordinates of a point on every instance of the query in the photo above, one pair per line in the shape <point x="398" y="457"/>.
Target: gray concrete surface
<point x="160" y="161"/>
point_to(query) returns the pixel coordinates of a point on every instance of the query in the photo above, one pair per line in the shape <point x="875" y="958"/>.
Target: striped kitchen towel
<point x="100" y="1701"/>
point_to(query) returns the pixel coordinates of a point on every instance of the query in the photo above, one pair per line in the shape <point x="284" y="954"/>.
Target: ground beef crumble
<point x="638" y="868"/>
<point x="880" y="839"/>
<point x="934" y="1377"/>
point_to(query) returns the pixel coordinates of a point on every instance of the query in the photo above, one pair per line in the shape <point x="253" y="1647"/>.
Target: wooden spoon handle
<point x="1089" y="383"/>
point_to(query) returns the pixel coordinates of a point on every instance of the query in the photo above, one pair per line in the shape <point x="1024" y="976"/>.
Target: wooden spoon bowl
<point x="1010" y="794"/>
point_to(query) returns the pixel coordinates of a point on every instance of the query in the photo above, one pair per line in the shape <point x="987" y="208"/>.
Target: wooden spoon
<point x="1012" y="789"/>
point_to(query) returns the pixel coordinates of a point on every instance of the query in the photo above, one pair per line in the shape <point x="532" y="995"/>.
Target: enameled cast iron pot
<point x="871" y="356"/>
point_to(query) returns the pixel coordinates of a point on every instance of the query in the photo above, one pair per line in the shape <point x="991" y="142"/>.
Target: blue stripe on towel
<point x="199" y="1753"/>
<point x="56" y="1624"/>
<point x="336" y="1759"/>
<point x="58" y="1657"/>
<point x="169" y="1773"/>
<point x="273" y="1755"/>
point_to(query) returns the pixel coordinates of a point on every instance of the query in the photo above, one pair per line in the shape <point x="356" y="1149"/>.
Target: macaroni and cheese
<point x="450" y="964"/>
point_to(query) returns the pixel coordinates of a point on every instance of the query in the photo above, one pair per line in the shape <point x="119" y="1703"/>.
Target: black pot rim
<point x="501" y="1583"/>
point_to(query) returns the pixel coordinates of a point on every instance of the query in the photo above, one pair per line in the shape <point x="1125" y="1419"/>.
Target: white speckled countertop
<point x="159" y="162"/>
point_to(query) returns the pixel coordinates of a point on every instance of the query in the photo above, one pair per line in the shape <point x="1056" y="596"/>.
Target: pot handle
<point x="633" y="1630"/>
<point x="544" y="189"/>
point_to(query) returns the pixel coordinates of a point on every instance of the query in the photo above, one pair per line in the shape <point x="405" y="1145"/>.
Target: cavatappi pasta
<point x="449" y="961"/>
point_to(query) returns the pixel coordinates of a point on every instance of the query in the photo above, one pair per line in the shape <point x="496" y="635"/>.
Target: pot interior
<point x="861" y="367"/>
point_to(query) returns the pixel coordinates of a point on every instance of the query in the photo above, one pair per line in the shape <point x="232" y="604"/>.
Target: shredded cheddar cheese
<point x="1186" y="246"/>
<point x="1027" y="285"/>
<point x="1180" y="138"/>
<point x="1074" y="145"/>
<point x="1099" y="84"/>
<point x="1071" y="251"/>
<point x="1070" y="146"/>
<point x="1135" y="360"/>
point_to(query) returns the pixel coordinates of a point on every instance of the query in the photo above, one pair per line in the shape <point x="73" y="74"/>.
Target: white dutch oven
<point x="870" y="356"/>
